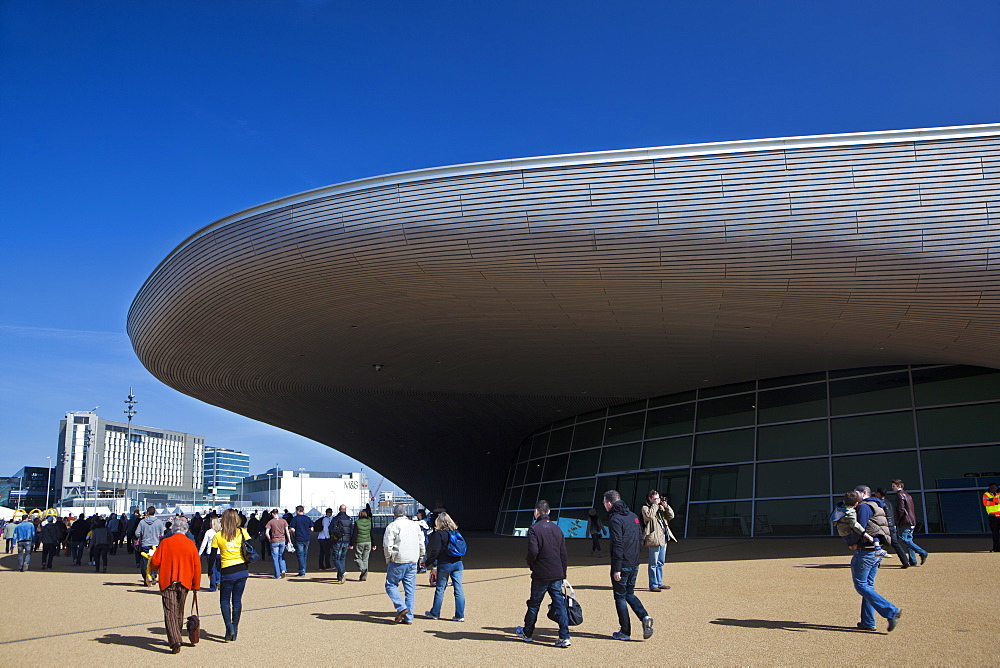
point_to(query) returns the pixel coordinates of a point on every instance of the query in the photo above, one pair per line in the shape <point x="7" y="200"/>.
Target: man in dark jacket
<point x="890" y="516"/>
<point x="626" y="544"/>
<point x="341" y="530"/>
<point x="53" y="533"/>
<point x="906" y="521"/>
<point x="547" y="560"/>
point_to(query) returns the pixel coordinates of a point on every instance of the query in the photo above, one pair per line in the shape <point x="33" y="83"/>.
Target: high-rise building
<point x="287" y="488"/>
<point x="224" y="469"/>
<point x="31" y="487"/>
<point x="95" y="459"/>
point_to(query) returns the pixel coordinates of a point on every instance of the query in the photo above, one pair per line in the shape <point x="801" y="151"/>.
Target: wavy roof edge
<point x="596" y="157"/>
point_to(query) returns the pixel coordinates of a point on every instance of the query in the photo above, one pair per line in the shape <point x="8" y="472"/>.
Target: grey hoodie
<point x="149" y="531"/>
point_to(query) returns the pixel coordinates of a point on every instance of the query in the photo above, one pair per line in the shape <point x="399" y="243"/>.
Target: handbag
<point x="574" y="613"/>
<point x="194" y="622"/>
<point x="248" y="551"/>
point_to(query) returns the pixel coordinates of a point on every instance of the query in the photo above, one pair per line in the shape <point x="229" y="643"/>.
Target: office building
<point x="30" y="488"/>
<point x="427" y="323"/>
<point x="224" y="469"/>
<point x="286" y="488"/>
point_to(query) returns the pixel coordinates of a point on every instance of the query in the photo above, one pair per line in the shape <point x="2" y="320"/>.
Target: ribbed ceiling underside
<point x="503" y="298"/>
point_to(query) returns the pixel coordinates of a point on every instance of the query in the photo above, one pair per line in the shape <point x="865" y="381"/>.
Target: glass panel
<point x="872" y="470"/>
<point x="624" y="429"/>
<point x="722" y="482"/>
<point x="555" y="467"/>
<point x="505" y="504"/>
<point x="643" y="483"/>
<point x="798" y="439"/>
<point x="870" y="393"/>
<point x="792" y="517"/>
<point x="954" y="512"/>
<point x="519" y="474"/>
<point x="720" y="519"/>
<point x="524" y="450"/>
<point x="560" y="440"/>
<point x="672" y="399"/>
<point x="674" y="488"/>
<point x="955" y="385"/>
<point x="621" y="458"/>
<point x="667" y="452"/>
<point x="551" y="492"/>
<point x="724" y="446"/>
<point x="959" y="425"/>
<point x="792" y="403"/>
<point x="628" y="408"/>
<point x="889" y="431"/>
<point x="583" y="463"/>
<point x="588" y="435"/>
<point x="534" y="471"/>
<point x="584" y="417"/>
<point x="672" y="421"/>
<point x="782" y="381"/>
<point x="796" y="478"/>
<point x="865" y="370"/>
<point x="508" y="523"/>
<point x="626" y="487"/>
<point x="539" y="444"/>
<point x="955" y="467"/>
<point x="529" y="495"/>
<point x="578" y="492"/>
<point x="722" y="390"/>
<point x="523" y="521"/>
<point x="735" y="411"/>
<point x="604" y="483"/>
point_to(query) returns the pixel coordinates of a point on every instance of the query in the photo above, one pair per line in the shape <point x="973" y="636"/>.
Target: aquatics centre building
<point x="751" y="327"/>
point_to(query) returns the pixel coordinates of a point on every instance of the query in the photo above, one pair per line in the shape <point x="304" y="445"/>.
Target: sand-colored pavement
<point x="732" y="602"/>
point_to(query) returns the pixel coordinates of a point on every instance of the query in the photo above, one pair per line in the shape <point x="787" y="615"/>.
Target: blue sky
<point x="126" y="126"/>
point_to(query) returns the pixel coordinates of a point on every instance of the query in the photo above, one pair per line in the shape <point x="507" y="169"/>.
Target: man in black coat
<point x="626" y="544"/>
<point x="547" y="560"/>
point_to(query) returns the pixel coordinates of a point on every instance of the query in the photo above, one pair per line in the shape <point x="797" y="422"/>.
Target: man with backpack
<point x="341" y="530"/>
<point x="865" y="562"/>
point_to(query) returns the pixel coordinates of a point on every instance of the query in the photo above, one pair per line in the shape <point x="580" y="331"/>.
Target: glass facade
<point x="224" y="470"/>
<point x="771" y="457"/>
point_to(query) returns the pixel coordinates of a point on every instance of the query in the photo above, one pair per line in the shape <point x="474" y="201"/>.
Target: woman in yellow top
<point x="228" y="542"/>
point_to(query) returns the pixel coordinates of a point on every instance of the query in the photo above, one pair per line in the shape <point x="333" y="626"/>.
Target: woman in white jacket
<point x="213" y="554"/>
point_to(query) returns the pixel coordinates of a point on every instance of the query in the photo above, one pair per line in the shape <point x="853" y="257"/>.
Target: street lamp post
<point x="130" y="412"/>
<point x="48" y="482"/>
<point x="301" y="494"/>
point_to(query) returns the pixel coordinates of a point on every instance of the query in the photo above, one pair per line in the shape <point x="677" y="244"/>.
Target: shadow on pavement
<point x="363" y="616"/>
<point x="142" y="642"/>
<point x="785" y="625"/>
<point x="542" y="635"/>
<point x="847" y="565"/>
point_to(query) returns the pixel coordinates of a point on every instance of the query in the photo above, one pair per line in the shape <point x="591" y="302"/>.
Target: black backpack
<point x="318" y="525"/>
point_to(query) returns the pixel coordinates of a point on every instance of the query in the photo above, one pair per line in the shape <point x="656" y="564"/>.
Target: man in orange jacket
<point x="991" y="501"/>
<point x="177" y="561"/>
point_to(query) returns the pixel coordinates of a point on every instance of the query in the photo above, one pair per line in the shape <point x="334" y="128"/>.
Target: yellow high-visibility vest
<point x="992" y="503"/>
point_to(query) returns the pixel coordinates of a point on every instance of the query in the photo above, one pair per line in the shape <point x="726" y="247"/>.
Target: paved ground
<point x="732" y="602"/>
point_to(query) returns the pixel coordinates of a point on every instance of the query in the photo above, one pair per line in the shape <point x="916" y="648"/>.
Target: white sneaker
<point x="562" y="642"/>
<point x="458" y="619"/>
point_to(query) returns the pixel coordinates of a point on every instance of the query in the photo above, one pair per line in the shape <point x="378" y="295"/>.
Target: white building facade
<point x="285" y="489"/>
<point x="96" y="460"/>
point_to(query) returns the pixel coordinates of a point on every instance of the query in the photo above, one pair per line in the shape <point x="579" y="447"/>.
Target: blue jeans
<point x="554" y="589"/>
<point x="76" y="550"/>
<point x="864" y="568"/>
<point x="213" y="571"/>
<point x="23" y="554"/>
<point x="625" y="598"/>
<point x="278" y="557"/>
<point x="340" y="557"/>
<point x="407" y="574"/>
<point x="302" y="554"/>
<point x="454" y="571"/>
<point x="912" y="549"/>
<point x="231" y="599"/>
<point x="657" y="555"/>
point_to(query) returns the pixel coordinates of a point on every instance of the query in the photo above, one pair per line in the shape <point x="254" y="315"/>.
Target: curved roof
<point x="502" y="296"/>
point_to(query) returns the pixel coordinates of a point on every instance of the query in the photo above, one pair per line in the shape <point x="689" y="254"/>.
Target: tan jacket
<point x="653" y="531"/>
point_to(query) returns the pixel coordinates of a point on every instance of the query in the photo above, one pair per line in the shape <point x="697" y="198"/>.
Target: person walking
<point x="214" y="573"/>
<point x="596" y="529"/>
<point x="626" y="541"/>
<point x="449" y="565"/>
<point x="148" y="533"/>
<point x="176" y="559"/>
<point x="100" y="545"/>
<point x="547" y="560"/>
<point x="112" y="525"/>
<point x="78" y="538"/>
<point x="228" y="542"/>
<point x="656" y="516"/>
<point x="890" y="517"/>
<point x="8" y="535"/>
<point x="301" y="530"/>
<point x="277" y="533"/>
<point x="991" y="502"/>
<point x="865" y="561"/>
<point x="324" y="540"/>
<point x="52" y="536"/>
<point x="130" y="528"/>
<point x="24" y="536"/>
<point x="906" y="521"/>
<point x="404" y="548"/>
<point x="341" y="530"/>
<point x="362" y="543"/>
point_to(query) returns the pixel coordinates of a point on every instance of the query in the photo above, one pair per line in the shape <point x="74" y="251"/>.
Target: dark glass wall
<point x="770" y="457"/>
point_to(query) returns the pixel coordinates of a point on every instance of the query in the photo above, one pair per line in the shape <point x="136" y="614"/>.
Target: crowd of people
<point x="168" y="551"/>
